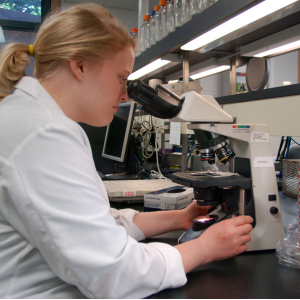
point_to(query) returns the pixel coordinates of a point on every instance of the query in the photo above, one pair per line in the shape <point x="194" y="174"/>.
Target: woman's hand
<point x="220" y="241"/>
<point x="191" y="212"/>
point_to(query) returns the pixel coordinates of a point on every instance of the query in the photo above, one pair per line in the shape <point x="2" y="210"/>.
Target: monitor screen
<point x="118" y="132"/>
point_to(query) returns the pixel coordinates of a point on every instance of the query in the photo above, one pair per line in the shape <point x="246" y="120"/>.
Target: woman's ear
<point x="78" y="69"/>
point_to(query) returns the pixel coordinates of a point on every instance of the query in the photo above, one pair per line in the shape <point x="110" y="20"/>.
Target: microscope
<point x="250" y="188"/>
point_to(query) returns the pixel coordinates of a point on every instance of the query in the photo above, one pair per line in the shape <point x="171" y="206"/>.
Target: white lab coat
<point x="58" y="236"/>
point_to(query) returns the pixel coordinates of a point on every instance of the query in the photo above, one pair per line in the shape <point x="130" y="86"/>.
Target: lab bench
<point x="253" y="275"/>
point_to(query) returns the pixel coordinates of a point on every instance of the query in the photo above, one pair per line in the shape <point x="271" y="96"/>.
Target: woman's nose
<point x="123" y="94"/>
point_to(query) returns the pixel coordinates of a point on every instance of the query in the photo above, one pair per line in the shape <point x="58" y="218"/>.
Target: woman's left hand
<point x="191" y="212"/>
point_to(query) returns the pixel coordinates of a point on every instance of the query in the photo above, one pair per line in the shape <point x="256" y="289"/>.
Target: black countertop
<point x="254" y="274"/>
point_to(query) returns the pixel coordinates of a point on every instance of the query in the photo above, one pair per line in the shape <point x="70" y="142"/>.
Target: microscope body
<point x="253" y="192"/>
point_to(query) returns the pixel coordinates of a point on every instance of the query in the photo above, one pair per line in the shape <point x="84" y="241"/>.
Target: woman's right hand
<point x="220" y="241"/>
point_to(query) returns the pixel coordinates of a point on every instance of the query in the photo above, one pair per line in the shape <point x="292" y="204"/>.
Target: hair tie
<point x="30" y="50"/>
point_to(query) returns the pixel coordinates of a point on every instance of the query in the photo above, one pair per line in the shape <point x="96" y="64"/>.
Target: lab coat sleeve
<point x="62" y="204"/>
<point x="124" y="217"/>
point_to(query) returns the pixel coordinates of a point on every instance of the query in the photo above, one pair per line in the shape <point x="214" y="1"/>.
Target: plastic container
<point x="178" y="13"/>
<point x="135" y="35"/>
<point x="170" y="16"/>
<point x="186" y="11"/>
<point x="163" y="14"/>
<point x="147" y="31"/>
<point x="157" y="23"/>
<point x="152" y="27"/>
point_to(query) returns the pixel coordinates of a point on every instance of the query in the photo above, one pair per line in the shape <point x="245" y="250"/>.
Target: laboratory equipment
<point x="250" y="188"/>
<point x="118" y="132"/>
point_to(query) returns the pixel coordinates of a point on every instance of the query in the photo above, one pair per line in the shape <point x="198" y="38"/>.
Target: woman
<point x="58" y="236"/>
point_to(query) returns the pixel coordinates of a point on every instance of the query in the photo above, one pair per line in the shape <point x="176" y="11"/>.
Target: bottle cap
<point x="146" y="17"/>
<point x="134" y="30"/>
<point x="156" y="7"/>
<point x="152" y="13"/>
<point x="162" y="2"/>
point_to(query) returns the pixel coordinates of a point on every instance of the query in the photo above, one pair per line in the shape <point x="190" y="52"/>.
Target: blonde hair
<point x="82" y="32"/>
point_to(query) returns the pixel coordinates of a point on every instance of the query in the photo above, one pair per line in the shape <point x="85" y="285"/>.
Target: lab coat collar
<point x="32" y="87"/>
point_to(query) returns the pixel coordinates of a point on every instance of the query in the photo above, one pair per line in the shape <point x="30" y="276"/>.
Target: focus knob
<point x="273" y="210"/>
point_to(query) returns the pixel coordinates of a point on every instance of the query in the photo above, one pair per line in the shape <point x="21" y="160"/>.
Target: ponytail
<point x="13" y="61"/>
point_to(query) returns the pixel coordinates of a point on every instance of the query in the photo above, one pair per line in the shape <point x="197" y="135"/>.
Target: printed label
<point x="263" y="162"/>
<point x="263" y="137"/>
<point x="241" y="128"/>
<point x="129" y="194"/>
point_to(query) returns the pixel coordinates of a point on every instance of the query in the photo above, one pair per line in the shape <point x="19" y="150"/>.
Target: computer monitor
<point x="118" y="133"/>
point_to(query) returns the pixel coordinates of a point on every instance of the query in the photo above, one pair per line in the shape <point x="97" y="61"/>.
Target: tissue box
<point x="172" y="198"/>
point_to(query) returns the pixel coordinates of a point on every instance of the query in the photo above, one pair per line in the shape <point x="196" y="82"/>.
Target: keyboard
<point x="134" y="190"/>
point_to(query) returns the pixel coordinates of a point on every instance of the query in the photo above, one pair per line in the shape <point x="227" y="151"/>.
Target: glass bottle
<point x="178" y="13"/>
<point x="186" y="11"/>
<point x="201" y="5"/>
<point x="152" y="27"/>
<point x="135" y="35"/>
<point x="147" y="31"/>
<point x="142" y="39"/>
<point x="170" y="16"/>
<point x="194" y="6"/>
<point x="208" y="3"/>
<point x="163" y="14"/>
<point x="157" y="23"/>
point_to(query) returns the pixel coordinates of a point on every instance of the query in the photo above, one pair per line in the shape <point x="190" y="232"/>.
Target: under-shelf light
<point x="284" y="48"/>
<point x="209" y="72"/>
<point x="278" y="43"/>
<point x="249" y="16"/>
<point x="149" y="68"/>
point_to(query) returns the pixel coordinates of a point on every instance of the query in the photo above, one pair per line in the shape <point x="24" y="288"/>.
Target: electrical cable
<point x="187" y="162"/>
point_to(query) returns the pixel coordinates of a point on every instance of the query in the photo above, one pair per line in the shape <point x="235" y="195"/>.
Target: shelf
<point x="210" y="18"/>
<point x="277" y="92"/>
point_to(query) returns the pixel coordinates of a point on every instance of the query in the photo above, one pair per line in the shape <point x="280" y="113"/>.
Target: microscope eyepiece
<point x="157" y="101"/>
